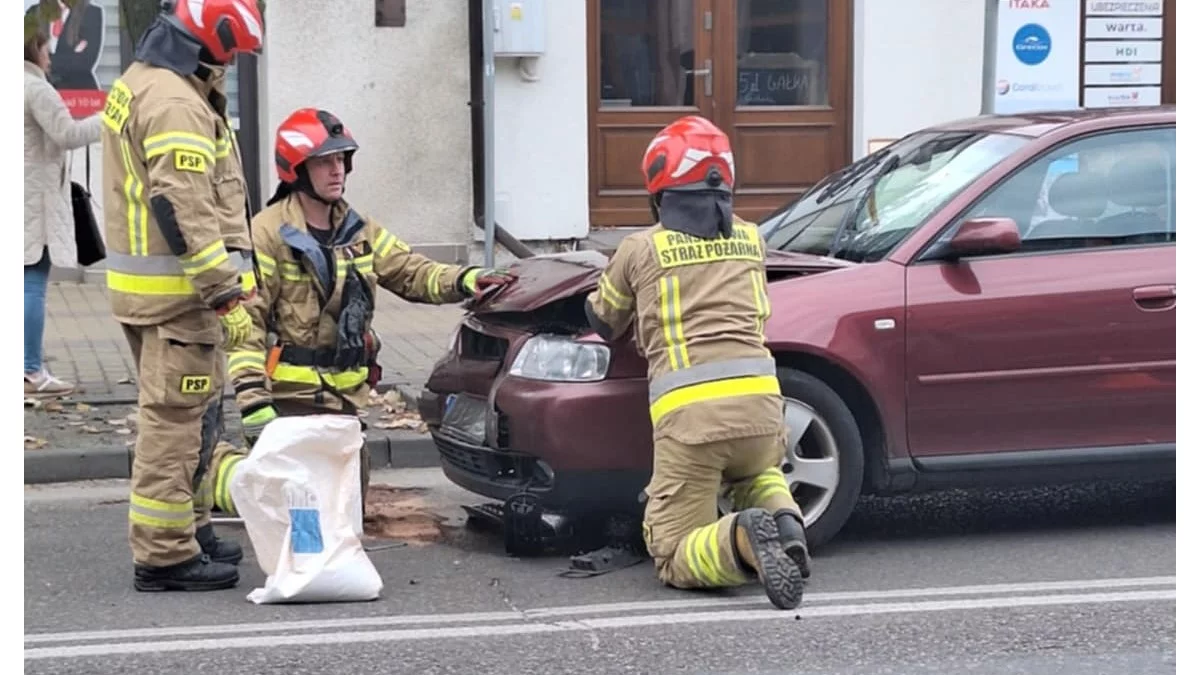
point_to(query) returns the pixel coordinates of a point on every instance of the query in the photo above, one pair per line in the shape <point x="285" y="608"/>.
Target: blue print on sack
<point x="306" y="531"/>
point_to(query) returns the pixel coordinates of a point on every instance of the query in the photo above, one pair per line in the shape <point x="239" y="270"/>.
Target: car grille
<point x="490" y="465"/>
<point x="480" y="346"/>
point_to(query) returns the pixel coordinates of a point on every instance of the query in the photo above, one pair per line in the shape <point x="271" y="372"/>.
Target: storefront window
<point x="85" y="55"/>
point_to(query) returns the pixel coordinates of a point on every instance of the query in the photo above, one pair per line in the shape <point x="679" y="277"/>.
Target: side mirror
<point x="980" y="236"/>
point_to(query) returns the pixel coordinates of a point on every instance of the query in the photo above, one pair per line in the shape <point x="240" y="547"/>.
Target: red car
<point x="990" y="300"/>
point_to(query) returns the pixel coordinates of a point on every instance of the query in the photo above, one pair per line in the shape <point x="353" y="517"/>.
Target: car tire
<point x="839" y="419"/>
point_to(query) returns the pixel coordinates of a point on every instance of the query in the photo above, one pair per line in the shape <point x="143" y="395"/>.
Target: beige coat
<point x="50" y="132"/>
<point x="697" y="308"/>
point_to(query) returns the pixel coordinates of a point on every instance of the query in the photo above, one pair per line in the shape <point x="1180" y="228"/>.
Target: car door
<point x="1068" y="343"/>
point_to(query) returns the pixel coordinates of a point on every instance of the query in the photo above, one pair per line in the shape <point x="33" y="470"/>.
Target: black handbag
<point x="89" y="245"/>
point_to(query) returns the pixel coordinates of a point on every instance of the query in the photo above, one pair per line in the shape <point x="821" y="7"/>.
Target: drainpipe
<point x="489" y="132"/>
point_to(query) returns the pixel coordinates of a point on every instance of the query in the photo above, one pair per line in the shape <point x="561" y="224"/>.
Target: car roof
<point x="1034" y="124"/>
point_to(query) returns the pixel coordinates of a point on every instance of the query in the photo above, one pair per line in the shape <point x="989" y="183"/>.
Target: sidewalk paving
<point x="84" y="345"/>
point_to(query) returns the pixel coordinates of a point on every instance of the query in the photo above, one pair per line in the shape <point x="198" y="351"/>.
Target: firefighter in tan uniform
<point x="179" y="270"/>
<point x="693" y="290"/>
<point x="312" y="349"/>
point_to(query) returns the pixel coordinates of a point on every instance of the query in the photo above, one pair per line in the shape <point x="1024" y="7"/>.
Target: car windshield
<point x="864" y="210"/>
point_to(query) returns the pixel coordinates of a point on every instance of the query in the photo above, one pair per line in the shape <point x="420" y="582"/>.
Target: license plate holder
<point x="466" y="417"/>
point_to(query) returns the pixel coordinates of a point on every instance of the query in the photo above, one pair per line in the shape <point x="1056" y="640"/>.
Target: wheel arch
<point x="866" y="413"/>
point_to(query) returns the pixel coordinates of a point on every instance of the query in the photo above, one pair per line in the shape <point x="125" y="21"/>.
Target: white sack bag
<point x="299" y="494"/>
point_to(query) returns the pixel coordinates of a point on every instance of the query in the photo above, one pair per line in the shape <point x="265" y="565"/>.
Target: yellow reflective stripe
<point x="224" y="147"/>
<point x="612" y="296"/>
<point x="761" y="302"/>
<point x="139" y="284"/>
<point x="211" y="256"/>
<point x="433" y="282"/>
<point x="249" y="283"/>
<point x="364" y="263"/>
<point x="137" y="211"/>
<point x="266" y="264"/>
<point x="308" y="375"/>
<point x="244" y="360"/>
<point x="703" y="555"/>
<point x="161" y="144"/>
<point x="221" y="496"/>
<point x="740" y="386"/>
<point x="155" y="513"/>
<point x="672" y="321"/>
<point x="384" y="243"/>
<point x="766" y="484"/>
<point x="292" y="271"/>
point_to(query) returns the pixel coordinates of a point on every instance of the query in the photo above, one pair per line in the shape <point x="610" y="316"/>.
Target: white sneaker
<point x="44" y="385"/>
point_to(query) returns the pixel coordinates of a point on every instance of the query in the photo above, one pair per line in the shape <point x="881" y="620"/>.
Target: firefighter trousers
<point x="227" y="457"/>
<point x="180" y="366"/>
<point x="691" y="547"/>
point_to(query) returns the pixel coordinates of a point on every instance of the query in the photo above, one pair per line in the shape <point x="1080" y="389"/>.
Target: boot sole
<point x="160" y="585"/>
<point x="779" y="574"/>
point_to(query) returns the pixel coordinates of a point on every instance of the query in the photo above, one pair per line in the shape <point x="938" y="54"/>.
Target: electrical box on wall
<point x="520" y="27"/>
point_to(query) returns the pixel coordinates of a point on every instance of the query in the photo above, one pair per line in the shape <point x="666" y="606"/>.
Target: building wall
<point x="541" y="137"/>
<point x="916" y="64"/>
<point x="403" y="92"/>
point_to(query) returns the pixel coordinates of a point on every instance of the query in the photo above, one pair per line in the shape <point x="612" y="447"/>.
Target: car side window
<point x="1111" y="189"/>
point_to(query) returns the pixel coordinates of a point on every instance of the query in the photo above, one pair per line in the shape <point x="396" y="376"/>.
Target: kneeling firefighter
<point x="693" y="287"/>
<point x="312" y="349"/>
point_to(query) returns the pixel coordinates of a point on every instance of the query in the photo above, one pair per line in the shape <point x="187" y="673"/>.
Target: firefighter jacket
<point x="175" y="213"/>
<point x="697" y="308"/>
<point x="300" y="300"/>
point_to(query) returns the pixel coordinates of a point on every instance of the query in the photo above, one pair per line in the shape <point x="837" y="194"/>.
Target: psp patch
<point x="186" y="160"/>
<point x="195" y="384"/>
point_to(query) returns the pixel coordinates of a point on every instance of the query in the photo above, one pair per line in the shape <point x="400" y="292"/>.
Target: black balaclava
<point x="704" y="213"/>
<point x="167" y="46"/>
<point x="302" y="184"/>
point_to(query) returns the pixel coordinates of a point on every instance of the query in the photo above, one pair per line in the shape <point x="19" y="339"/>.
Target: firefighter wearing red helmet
<point x="179" y="272"/>
<point x="693" y="290"/>
<point x="312" y="349"/>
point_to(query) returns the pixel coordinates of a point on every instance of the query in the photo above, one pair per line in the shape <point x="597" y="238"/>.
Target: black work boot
<point x="219" y="550"/>
<point x="794" y="540"/>
<point x="756" y="541"/>
<point x="197" y="574"/>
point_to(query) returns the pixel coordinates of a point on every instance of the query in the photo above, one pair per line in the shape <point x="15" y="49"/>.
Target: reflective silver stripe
<point x="708" y="372"/>
<point x="144" y="264"/>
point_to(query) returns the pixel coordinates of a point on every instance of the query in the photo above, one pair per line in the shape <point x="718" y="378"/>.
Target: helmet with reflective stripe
<point x="690" y="153"/>
<point x="309" y="133"/>
<point x="223" y="27"/>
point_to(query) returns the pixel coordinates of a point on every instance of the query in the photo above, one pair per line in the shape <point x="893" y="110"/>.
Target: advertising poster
<point x="1036" y="55"/>
<point x="76" y="42"/>
<point x="1123" y="52"/>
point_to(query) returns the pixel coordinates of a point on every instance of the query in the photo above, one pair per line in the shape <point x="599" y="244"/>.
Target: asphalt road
<point x="1064" y="580"/>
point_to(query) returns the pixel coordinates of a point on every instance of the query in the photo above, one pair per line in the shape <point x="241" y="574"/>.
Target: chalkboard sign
<point x="778" y="79"/>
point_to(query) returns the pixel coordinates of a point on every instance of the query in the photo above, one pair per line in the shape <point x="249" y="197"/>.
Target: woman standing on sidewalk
<point x="50" y="132"/>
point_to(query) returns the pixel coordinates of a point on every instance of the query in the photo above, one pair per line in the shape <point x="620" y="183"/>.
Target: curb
<point x="393" y="451"/>
<point x="405" y="388"/>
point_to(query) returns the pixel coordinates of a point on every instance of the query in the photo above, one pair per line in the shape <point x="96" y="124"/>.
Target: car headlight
<point x="561" y="359"/>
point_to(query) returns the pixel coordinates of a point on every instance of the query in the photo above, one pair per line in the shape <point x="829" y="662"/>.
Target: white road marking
<point x="605" y="608"/>
<point x="575" y="625"/>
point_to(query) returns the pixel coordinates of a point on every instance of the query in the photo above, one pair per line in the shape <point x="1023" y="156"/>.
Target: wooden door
<point x="774" y="74"/>
<point x="782" y="83"/>
<point x="648" y="64"/>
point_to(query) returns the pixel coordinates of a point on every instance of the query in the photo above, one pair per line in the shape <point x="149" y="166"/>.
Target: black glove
<point x="353" y="323"/>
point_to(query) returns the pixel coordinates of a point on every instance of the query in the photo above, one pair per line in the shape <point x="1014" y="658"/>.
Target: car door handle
<point x="1155" y="298"/>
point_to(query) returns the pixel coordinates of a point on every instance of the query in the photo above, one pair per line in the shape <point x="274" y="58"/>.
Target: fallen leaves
<point x="35" y="443"/>
<point x="393" y="412"/>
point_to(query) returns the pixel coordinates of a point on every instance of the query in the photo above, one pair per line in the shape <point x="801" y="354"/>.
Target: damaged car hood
<point x="547" y="278"/>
